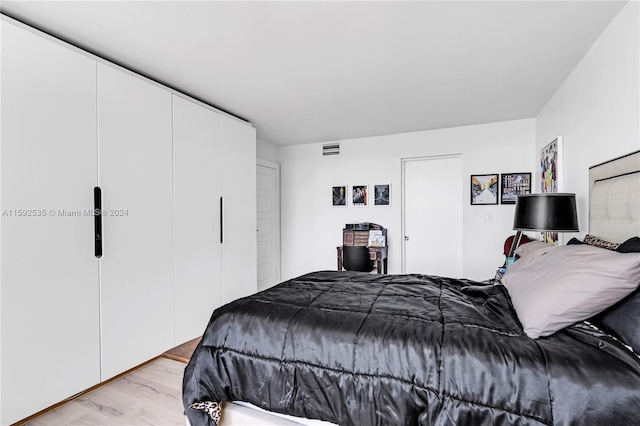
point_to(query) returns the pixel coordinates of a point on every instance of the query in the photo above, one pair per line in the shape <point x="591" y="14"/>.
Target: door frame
<point x="403" y="209"/>
<point x="269" y="164"/>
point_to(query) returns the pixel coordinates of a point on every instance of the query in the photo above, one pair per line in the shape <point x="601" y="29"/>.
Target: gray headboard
<point x="614" y="198"/>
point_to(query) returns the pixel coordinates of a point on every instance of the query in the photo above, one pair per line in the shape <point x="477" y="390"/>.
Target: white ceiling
<point x="321" y="71"/>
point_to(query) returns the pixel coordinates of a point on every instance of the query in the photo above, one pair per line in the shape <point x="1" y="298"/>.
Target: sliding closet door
<point x="197" y="191"/>
<point x="239" y="248"/>
<point x="136" y="269"/>
<point x="50" y="345"/>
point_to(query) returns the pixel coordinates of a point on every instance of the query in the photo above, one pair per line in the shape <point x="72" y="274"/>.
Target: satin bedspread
<point x="361" y="349"/>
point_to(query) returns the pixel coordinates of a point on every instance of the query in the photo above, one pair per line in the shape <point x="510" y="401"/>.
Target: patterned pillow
<point x="599" y="242"/>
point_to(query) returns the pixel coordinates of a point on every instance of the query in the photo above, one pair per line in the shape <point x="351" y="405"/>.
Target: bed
<point x="351" y="348"/>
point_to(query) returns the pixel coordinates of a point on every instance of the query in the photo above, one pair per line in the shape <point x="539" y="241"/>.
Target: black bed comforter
<point x="360" y="349"/>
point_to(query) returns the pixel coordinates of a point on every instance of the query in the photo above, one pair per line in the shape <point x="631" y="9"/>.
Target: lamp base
<point x="514" y="246"/>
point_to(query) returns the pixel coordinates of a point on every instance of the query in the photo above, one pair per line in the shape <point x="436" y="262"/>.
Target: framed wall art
<point x="513" y="184"/>
<point x="339" y="196"/>
<point x="484" y="189"/>
<point x="382" y="195"/>
<point x="359" y="195"/>
<point x="551" y="176"/>
<point x="551" y="166"/>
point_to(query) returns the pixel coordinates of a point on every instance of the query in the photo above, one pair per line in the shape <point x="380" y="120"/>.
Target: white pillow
<point x="569" y="284"/>
<point x="533" y="250"/>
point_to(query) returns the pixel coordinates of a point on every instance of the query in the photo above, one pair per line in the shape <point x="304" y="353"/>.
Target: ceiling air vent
<point x="331" y="148"/>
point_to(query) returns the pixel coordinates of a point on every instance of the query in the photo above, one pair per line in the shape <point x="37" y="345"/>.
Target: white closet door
<point x="239" y="251"/>
<point x="50" y="345"/>
<point x="134" y="122"/>
<point x="197" y="191"/>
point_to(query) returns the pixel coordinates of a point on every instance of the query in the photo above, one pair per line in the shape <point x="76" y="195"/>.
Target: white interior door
<point x="197" y="191"/>
<point x="50" y="329"/>
<point x="268" y="236"/>
<point x="136" y="274"/>
<point x="432" y="222"/>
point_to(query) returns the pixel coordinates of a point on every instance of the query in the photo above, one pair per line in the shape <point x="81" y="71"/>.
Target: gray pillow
<point x="533" y="250"/>
<point x="569" y="284"/>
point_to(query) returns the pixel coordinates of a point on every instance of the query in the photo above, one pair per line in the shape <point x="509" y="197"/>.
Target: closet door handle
<point x="97" y="215"/>
<point x="221" y="220"/>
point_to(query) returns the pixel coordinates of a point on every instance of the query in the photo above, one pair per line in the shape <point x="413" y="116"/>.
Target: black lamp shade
<point x="550" y="212"/>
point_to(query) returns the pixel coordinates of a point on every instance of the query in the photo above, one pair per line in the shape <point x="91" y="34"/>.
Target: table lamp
<point x="549" y="212"/>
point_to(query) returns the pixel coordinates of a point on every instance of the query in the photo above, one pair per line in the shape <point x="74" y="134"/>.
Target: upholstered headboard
<point x="614" y="198"/>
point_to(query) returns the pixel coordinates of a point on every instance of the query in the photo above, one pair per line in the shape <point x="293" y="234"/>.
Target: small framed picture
<point x="484" y="189"/>
<point x="359" y="194"/>
<point x="339" y="195"/>
<point x="512" y="185"/>
<point x="382" y="195"/>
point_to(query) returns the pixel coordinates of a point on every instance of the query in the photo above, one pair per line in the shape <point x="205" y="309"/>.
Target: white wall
<point x="267" y="151"/>
<point x="312" y="228"/>
<point x="596" y="110"/>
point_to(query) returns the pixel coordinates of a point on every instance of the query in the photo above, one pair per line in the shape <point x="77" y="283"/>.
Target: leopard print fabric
<point x="213" y="409"/>
<point x="598" y="242"/>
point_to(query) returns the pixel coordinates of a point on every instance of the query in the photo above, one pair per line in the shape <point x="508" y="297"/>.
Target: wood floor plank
<point x="149" y="395"/>
<point x="164" y="371"/>
<point x="183" y="352"/>
<point x="62" y="415"/>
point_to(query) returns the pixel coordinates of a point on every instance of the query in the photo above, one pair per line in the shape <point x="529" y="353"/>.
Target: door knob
<point x="406" y="238"/>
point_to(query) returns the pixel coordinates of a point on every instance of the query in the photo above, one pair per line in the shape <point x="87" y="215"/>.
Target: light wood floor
<point x="149" y="395"/>
<point x="183" y="352"/>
